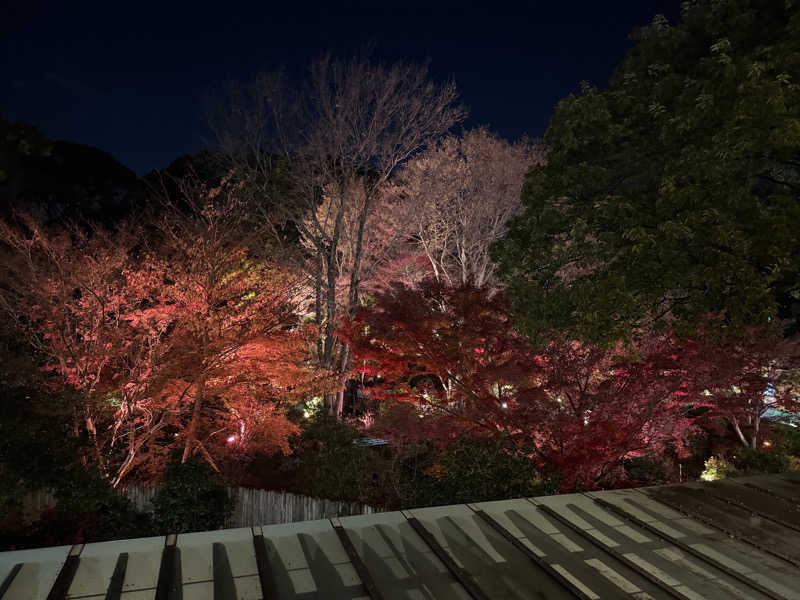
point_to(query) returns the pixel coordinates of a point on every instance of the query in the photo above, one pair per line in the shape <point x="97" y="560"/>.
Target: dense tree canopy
<point x="449" y="363"/>
<point x="674" y="192"/>
<point x="319" y="157"/>
<point x="188" y="342"/>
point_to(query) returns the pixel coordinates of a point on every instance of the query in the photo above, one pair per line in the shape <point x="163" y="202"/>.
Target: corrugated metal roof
<point x="730" y="539"/>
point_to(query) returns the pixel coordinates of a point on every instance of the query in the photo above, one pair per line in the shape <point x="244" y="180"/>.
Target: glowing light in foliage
<point x="231" y="439"/>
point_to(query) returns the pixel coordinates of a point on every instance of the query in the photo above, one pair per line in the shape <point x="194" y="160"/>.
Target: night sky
<point x="130" y="77"/>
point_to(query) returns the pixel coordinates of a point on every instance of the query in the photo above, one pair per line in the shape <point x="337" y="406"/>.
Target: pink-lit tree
<point x="180" y="345"/>
<point x="66" y="292"/>
<point x="452" y="358"/>
<point x="464" y="190"/>
<point x="739" y="376"/>
<point x="321" y="160"/>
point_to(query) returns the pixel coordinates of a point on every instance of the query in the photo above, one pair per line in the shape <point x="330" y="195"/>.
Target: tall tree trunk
<point x="191" y="431"/>
<point x="353" y="299"/>
<point x="90" y="428"/>
<point x="318" y="305"/>
<point x="739" y="432"/>
<point x="754" y="438"/>
<point x="330" y="341"/>
<point x="355" y="274"/>
<point x="332" y="276"/>
<point x="344" y="365"/>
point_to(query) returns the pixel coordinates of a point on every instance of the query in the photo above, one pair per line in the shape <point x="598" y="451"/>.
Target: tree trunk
<point x="90" y="428"/>
<point x="191" y="431"/>
<point x="332" y="272"/>
<point x="339" y="404"/>
<point x="127" y="464"/>
<point x="344" y="365"/>
<point x="754" y="439"/>
<point x="739" y="433"/>
<point x="318" y="305"/>
<point x="332" y="275"/>
<point x="356" y="272"/>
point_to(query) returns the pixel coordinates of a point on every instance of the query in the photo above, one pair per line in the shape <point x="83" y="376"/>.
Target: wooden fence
<point x="253" y="507"/>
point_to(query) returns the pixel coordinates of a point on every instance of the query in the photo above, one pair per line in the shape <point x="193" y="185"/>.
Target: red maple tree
<point x="738" y="376"/>
<point x="190" y="343"/>
<point x="453" y="356"/>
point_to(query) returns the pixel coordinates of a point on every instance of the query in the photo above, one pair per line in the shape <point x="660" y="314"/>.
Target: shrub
<point x="749" y="460"/>
<point x="478" y="470"/>
<point x="37" y="447"/>
<point x="718" y="467"/>
<point x="785" y="439"/>
<point x="330" y="465"/>
<point x="648" y="470"/>
<point x="87" y="509"/>
<point x="192" y="498"/>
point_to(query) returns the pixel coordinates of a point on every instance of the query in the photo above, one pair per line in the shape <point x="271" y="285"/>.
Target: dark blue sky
<point x="129" y="77"/>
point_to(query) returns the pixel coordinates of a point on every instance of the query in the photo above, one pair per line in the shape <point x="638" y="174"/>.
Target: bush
<point x="785" y="439"/>
<point x="37" y="447"/>
<point x="330" y="465"/>
<point x="412" y="473"/>
<point x="87" y="509"/>
<point x="648" y="470"/>
<point x="479" y="470"/>
<point x="749" y="460"/>
<point x="718" y="467"/>
<point x="193" y="498"/>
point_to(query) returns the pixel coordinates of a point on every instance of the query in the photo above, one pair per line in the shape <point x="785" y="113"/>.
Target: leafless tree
<point x="322" y="155"/>
<point x="464" y="190"/>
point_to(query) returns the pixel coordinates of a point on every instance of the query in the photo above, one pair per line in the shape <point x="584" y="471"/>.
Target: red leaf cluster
<point x="453" y="357"/>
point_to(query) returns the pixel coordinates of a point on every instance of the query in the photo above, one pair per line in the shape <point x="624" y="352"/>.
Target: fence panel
<point x="253" y="507"/>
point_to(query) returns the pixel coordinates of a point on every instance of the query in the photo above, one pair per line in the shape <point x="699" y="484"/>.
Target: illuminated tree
<point x="739" y="377"/>
<point x="66" y="291"/>
<point x="192" y="343"/>
<point x="320" y="157"/>
<point x="237" y="354"/>
<point x="463" y="192"/>
<point x="453" y="361"/>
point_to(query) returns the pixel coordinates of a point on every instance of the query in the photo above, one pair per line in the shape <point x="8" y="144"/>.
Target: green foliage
<point x="405" y="475"/>
<point x="745" y="462"/>
<point x="752" y="461"/>
<point x="478" y="470"/>
<point x="648" y="470"/>
<point x="87" y="509"/>
<point x="785" y="439"/>
<point x="718" y="467"/>
<point x="98" y="510"/>
<point x="37" y="448"/>
<point x="675" y="192"/>
<point x="192" y="498"/>
<point x="330" y="465"/>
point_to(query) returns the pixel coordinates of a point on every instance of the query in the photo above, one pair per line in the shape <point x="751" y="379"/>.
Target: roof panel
<point x="733" y="539"/>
